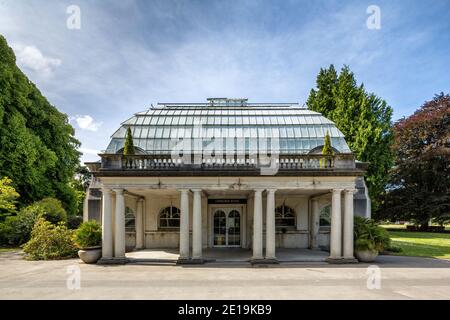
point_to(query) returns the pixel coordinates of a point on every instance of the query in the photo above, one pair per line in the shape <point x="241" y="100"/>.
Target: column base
<point x="341" y="260"/>
<point x="112" y="261"/>
<point x="190" y="261"/>
<point x="271" y="261"/>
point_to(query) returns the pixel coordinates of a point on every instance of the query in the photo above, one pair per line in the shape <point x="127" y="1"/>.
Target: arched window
<point x="284" y="216"/>
<point x="130" y="220"/>
<point x="325" y="216"/>
<point x="169" y="217"/>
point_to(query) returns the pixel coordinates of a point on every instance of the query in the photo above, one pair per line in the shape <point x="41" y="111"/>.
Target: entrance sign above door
<point x="227" y="201"/>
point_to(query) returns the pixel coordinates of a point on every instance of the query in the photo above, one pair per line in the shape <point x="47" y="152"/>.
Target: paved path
<point x="238" y="255"/>
<point x="401" y="278"/>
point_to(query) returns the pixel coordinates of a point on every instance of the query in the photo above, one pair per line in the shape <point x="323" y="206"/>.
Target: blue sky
<point x="130" y="54"/>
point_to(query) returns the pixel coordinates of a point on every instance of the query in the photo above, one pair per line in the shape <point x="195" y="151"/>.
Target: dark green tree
<point x="38" y="150"/>
<point x="128" y="148"/>
<point x="362" y="117"/>
<point x="420" y="180"/>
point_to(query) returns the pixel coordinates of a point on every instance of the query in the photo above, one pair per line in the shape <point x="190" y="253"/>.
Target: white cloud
<point x="32" y="58"/>
<point x="86" y="122"/>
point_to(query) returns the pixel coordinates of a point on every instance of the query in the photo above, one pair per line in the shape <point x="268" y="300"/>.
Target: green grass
<point x="403" y="226"/>
<point x="422" y="244"/>
<point x="8" y="249"/>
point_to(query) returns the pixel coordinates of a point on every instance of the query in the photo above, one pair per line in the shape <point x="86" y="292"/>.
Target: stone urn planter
<point x="88" y="237"/>
<point x="366" y="255"/>
<point x="90" y="254"/>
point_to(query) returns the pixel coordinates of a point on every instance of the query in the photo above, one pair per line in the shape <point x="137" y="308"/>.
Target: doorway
<point x="227" y="227"/>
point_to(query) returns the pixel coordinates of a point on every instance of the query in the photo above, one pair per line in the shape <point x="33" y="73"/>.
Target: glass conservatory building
<point x="227" y="174"/>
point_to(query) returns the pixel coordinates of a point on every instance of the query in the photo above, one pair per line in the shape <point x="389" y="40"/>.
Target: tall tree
<point x="363" y="118"/>
<point x="38" y="150"/>
<point x="420" y="179"/>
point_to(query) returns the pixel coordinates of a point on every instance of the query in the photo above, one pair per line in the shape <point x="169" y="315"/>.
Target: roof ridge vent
<point x="227" y="102"/>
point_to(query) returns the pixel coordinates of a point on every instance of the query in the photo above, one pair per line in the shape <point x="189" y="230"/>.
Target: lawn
<point x="8" y="249"/>
<point x="403" y="226"/>
<point x="422" y="244"/>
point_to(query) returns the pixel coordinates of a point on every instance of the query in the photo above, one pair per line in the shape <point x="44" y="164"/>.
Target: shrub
<point x="53" y="210"/>
<point x="89" y="234"/>
<point x="16" y="229"/>
<point x="369" y="236"/>
<point x="49" y="241"/>
<point x="8" y="196"/>
<point x="73" y="222"/>
<point x="394" y="249"/>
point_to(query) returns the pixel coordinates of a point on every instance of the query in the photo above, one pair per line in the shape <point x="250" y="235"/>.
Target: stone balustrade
<point x="284" y="162"/>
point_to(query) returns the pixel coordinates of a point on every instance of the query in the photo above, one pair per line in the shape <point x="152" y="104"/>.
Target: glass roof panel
<point x="130" y="121"/>
<point x="301" y="127"/>
<point x="288" y="120"/>
<point x="290" y="132"/>
<point x="187" y="132"/>
<point x="159" y="132"/>
<point x="319" y="131"/>
<point x="144" y="133"/>
<point x="261" y="132"/>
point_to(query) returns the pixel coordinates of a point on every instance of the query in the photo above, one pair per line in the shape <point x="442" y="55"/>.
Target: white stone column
<point x="270" y="224"/>
<point x="86" y="206"/>
<point x="315" y="223"/>
<point x="184" y="224"/>
<point x="107" y="231"/>
<point x="119" y="222"/>
<point x="140" y="224"/>
<point x="348" y="224"/>
<point x="197" y="225"/>
<point x="257" y="226"/>
<point x="336" y="225"/>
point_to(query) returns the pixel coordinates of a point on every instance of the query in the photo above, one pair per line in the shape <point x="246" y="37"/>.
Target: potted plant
<point x="88" y="238"/>
<point x="370" y="239"/>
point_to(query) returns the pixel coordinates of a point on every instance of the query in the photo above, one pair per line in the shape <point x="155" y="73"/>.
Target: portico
<point x="238" y="179"/>
<point x="211" y="214"/>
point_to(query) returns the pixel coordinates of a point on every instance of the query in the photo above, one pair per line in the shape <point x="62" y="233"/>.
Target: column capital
<point x="106" y="189"/>
<point x="197" y="190"/>
<point x="271" y="190"/>
<point x="118" y="191"/>
<point x="258" y="190"/>
<point x="337" y="191"/>
<point x="183" y="190"/>
<point x="141" y="199"/>
<point x="353" y="191"/>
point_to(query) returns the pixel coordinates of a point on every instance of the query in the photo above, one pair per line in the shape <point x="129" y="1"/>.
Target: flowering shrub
<point x="49" y="241"/>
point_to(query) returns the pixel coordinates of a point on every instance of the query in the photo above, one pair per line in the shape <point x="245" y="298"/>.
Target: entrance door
<point x="227" y="227"/>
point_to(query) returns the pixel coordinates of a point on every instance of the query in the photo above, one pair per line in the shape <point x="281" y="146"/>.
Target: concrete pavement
<point x="401" y="278"/>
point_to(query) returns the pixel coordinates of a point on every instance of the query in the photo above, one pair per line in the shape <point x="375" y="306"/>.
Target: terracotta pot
<point x="366" y="255"/>
<point x="91" y="254"/>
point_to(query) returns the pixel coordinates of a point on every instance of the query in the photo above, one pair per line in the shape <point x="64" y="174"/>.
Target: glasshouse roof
<point x="298" y="130"/>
